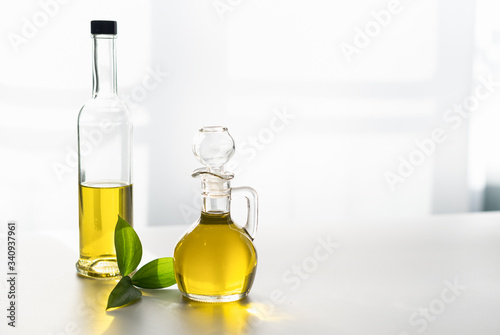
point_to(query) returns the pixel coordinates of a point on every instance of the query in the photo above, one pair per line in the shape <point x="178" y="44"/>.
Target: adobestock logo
<point x="71" y="328"/>
<point x="277" y="123"/>
<point x="298" y="273"/>
<point x="249" y="149"/>
<point x="452" y="117"/>
<point x="363" y="37"/>
<point x="31" y="26"/>
<point x="252" y="145"/>
<point x="422" y="318"/>
<point x="293" y="277"/>
<point x="407" y="166"/>
<point x="221" y="7"/>
<point x="150" y="82"/>
<point x="90" y="140"/>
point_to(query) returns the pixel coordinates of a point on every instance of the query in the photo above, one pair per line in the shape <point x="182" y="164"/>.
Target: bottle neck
<point x="104" y="66"/>
<point x="215" y="195"/>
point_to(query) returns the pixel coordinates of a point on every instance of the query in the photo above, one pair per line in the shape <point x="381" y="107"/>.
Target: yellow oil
<point x="99" y="207"/>
<point x="216" y="261"/>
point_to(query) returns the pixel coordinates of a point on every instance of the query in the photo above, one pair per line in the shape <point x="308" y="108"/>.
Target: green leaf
<point x="156" y="274"/>
<point x="128" y="247"/>
<point x="123" y="293"/>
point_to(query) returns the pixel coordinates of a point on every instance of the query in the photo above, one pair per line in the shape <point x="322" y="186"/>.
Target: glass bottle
<point x="215" y="261"/>
<point x="104" y="161"/>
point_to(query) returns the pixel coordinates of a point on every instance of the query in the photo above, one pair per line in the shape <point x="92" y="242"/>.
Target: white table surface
<point x="384" y="277"/>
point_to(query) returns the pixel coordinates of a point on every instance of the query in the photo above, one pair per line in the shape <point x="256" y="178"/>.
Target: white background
<point x="238" y="66"/>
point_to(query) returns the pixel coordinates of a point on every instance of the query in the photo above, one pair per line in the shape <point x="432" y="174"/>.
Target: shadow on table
<point x="91" y="310"/>
<point x="168" y="311"/>
<point x="219" y="318"/>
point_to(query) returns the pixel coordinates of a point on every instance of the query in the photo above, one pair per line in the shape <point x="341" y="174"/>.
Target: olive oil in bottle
<point x="216" y="260"/>
<point x="99" y="207"/>
<point x="104" y="160"/>
<point x="216" y="257"/>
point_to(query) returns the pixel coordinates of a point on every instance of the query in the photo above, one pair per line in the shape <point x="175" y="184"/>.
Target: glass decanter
<point x="215" y="261"/>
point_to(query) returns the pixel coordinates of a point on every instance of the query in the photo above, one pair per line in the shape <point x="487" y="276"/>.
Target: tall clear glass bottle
<point x="104" y="160"/>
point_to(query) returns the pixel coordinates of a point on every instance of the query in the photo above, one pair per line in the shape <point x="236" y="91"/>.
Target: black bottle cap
<point x="103" y="27"/>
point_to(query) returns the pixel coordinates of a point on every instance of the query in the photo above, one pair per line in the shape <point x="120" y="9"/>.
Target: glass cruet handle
<point x="252" y="205"/>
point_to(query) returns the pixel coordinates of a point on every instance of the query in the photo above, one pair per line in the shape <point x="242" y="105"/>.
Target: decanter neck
<point x="215" y="195"/>
<point x="215" y="204"/>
